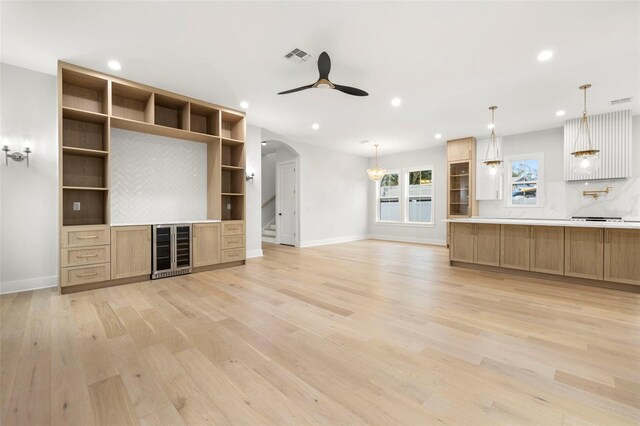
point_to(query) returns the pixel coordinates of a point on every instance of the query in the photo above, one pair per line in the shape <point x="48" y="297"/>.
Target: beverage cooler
<point x="171" y="250"/>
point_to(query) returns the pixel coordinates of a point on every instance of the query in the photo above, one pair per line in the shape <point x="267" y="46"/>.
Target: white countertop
<point x="547" y="222"/>
<point x="177" y="222"/>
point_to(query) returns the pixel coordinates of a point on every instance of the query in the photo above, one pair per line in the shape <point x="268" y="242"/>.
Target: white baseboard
<point x="254" y="253"/>
<point x="7" y="287"/>
<point x="409" y="240"/>
<point x="332" y="241"/>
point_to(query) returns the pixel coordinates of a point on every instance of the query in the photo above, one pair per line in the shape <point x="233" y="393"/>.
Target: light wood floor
<point x="367" y="332"/>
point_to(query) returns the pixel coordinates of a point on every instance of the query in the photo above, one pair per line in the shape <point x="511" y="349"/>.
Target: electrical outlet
<point x="228" y="206"/>
<point x="76" y="206"/>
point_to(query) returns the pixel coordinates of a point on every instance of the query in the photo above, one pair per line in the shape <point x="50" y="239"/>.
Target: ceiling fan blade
<point x="324" y="65"/>
<point x="350" y="90"/>
<point x="297" y="89"/>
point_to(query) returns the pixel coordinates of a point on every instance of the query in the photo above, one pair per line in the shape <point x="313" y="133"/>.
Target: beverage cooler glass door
<point x="162" y="260"/>
<point x="182" y="246"/>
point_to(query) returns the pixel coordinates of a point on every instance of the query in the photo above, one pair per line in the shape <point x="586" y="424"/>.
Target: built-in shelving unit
<point x="91" y="103"/>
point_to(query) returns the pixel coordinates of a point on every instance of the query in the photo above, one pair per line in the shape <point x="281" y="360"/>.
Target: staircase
<point x="269" y="233"/>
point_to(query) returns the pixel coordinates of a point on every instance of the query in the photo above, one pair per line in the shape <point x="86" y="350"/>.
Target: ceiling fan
<point x="324" y="67"/>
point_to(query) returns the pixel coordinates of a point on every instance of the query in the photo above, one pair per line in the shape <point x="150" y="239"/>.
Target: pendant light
<point x="584" y="161"/>
<point x="492" y="162"/>
<point x="376" y="173"/>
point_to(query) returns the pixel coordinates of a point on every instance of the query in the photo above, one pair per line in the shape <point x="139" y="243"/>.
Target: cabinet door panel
<point x="460" y="149"/>
<point x="547" y="249"/>
<point x="514" y="246"/>
<point x="461" y="244"/>
<point x="206" y="244"/>
<point x="583" y="253"/>
<point x="130" y="251"/>
<point x="487" y="244"/>
<point x="622" y="256"/>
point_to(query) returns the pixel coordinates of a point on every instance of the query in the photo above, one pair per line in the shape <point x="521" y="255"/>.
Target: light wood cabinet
<point x="486" y="246"/>
<point x="584" y="253"/>
<point x="84" y="275"/>
<point x="460" y="149"/>
<point x="83" y="236"/>
<point x="514" y="246"/>
<point x="85" y="256"/>
<point x="130" y="251"/>
<point x="461" y="242"/>
<point x="475" y="243"/>
<point x="622" y="256"/>
<point x="547" y="249"/>
<point x="206" y="244"/>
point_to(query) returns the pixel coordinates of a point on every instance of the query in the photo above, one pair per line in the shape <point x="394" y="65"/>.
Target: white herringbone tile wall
<point x="157" y="179"/>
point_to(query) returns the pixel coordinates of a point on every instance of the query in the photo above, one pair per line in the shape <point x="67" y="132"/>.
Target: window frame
<point x="539" y="156"/>
<point x="403" y="180"/>
<point x="406" y="172"/>
<point x="378" y="198"/>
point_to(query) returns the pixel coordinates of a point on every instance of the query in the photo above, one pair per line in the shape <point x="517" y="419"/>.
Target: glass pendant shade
<point x="584" y="161"/>
<point x="376" y="173"/>
<point x="493" y="169"/>
<point x="492" y="163"/>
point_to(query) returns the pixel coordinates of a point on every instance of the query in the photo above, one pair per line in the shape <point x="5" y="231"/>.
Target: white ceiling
<point x="447" y="61"/>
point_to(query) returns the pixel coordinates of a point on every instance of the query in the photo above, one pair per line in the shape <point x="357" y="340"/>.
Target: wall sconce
<point x="16" y="156"/>
<point x="249" y="177"/>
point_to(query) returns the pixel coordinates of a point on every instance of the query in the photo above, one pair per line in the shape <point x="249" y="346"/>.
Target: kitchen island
<point x="596" y="253"/>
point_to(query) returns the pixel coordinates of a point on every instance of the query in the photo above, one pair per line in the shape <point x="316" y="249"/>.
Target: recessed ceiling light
<point x="560" y="113"/>
<point x="114" y="65"/>
<point x="545" y="55"/>
<point x="315" y="126"/>
<point x="438" y="136"/>
<point x="264" y="143"/>
<point x="396" y="102"/>
<point x="244" y="104"/>
<point x="491" y="126"/>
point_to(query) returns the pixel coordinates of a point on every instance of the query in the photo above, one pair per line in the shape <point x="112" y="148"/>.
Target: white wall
<point x="430" y="234"/>
<point x="253" y="195"/>
<point x="268" y="187"/>
<point x="333" y="193"/>
<point x="28" y="196"/>
<point x="564" y="199"/>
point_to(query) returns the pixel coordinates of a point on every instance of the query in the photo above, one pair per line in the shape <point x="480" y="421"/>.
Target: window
<point x="419" y="205"/>
<point x="389" y="198"/>
<point x="525" y="180"/>
<point x="405" y="196"/>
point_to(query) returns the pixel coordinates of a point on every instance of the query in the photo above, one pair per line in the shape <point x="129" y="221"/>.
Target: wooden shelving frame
<point x="91" y="103"/>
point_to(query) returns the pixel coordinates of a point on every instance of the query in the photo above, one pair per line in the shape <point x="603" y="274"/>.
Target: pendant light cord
<point x="584" y="122"/>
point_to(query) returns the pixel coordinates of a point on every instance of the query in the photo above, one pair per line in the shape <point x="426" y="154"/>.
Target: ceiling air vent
<point x="298" y="56"/>
<point x="620" y="101"/>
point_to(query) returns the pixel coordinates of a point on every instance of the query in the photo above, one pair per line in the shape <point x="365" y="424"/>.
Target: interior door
<point x="286" y="193"/>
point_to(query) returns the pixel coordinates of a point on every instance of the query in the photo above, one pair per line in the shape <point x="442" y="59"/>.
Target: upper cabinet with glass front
<point x="461" y="158"/>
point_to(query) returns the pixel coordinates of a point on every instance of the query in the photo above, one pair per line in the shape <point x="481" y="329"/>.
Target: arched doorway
<point x="280" y="193"/>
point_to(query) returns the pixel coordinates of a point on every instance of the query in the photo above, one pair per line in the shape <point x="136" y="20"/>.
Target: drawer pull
<point x="88" y="255"/>
<point x="87" y="237"/>
<point x="89" y="274"/>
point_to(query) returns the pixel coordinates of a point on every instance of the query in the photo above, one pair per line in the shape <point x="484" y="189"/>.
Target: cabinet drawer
<point x="82" y="236"/>
<point x="233" y="228"/>
<point x="232" y="255"/>
<point x="85" y="274"/>
<point x="232" y="241"/>
<point x="85" y="256"/>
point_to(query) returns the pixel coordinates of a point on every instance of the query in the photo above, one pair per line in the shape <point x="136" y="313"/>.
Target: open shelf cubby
<point x="232" y="154"/>
<point x="83" y="171"/>
<point x="233" y="181"/>
<point x="131" y="103"/>
<point x="171" y="112"/>
<point x="232" y="207"/>
<point x="232" y="126"/>
<point x="85" y="132"/>
<point x="92" y="207"/>
<point x="84" y="92"/>
<point x="204" y="120"/>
